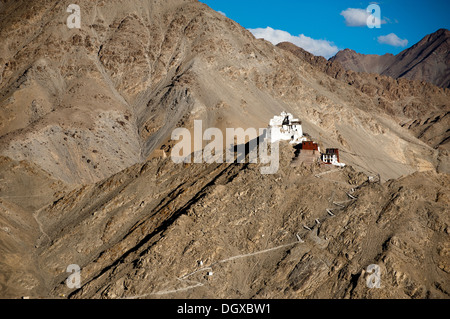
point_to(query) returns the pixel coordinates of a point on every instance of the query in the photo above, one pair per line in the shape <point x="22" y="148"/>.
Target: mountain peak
<point x="427" y="60"/>
<point x="369" y="63"/>
<point x="442" y="31"/>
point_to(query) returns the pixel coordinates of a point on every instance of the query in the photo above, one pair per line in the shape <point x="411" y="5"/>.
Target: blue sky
<point x="322" y="27"/>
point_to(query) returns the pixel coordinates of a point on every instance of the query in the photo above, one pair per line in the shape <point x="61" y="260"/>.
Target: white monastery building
<point x="287" y="128"/>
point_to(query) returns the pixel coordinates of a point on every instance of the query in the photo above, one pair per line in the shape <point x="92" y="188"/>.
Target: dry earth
<point x="84" y="114"/>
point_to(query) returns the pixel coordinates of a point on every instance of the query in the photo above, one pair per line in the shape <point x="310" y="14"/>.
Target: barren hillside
<point x="136" y="241"/>
<point x="412" y="104"/>
<point x="83" y="116"/>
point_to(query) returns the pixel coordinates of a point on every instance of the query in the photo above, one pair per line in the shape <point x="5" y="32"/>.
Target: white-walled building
<point x="286" y="128"/>
<point x="332" y="157"/>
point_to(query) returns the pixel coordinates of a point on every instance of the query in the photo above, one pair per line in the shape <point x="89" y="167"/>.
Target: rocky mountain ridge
<point x="85" y="114"/>
<point x="428" y="60"/>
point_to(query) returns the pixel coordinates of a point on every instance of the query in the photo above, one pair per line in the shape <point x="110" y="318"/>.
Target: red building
<point x="310" y="146"/>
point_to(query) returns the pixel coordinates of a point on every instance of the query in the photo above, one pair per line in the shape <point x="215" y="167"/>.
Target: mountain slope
<point x="86" y="103"/>
<point x="135" y="241"/>
<point x="424" y="115"/>
<point x="428" y="60"/>
<point x="368" y="63"/>
<point x="84" y="111"/>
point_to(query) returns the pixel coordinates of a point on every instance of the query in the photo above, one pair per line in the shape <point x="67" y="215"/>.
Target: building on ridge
<point x="287" y="128"/>
<point x="331" y="156"/>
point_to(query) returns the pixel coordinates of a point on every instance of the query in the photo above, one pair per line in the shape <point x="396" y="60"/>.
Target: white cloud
<point x="392" y="39"/>
<point x="358" y="17"/>
<point x="316" y="47"/>
<point x="222" y="13"/>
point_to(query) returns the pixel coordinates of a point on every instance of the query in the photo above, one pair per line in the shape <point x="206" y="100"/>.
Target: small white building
<point x="331" y="156"/>
<point x="286" y="128"/>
